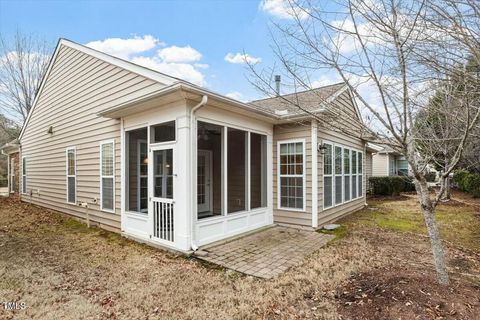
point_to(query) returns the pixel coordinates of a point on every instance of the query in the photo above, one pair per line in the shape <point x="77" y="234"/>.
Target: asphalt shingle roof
<point x="309" y="100"/>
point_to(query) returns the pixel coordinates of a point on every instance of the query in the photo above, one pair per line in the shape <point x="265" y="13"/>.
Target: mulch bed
<point x="400" y="293"/>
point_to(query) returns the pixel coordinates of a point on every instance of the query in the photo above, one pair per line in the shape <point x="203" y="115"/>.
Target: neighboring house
<point x="12" y="151"/>
<point x="388" y="162"/>
<point x="169" y="163"/>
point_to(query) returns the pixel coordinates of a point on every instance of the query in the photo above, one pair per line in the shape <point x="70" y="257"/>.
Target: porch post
<point x="314" y="174"/>
<point x="183" y="215"/>
<point x="270" y="194"/>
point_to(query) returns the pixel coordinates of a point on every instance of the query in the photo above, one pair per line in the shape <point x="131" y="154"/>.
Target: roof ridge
<point x="300" y="92"/>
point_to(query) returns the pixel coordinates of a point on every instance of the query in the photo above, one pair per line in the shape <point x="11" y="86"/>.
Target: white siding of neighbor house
<point x="368" y="167"/>
<point x="77" y="88"/>
<point x="380" y="163"/>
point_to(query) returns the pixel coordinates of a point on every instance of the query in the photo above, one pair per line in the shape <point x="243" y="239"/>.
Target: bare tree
<point x="392" y="51"/>
<point x="23" y="63"/>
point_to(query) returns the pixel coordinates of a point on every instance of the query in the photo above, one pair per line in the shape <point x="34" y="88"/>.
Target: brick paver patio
<point x="267" y="253"/>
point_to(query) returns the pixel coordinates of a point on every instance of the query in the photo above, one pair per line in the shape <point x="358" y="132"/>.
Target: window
<point x="342" y="175"/>
<point x="338" y="175"/>
<point x="107" y="180"/>
<point x="347" y="176"/>
<point x="13" y="183"/>
<point x="327" y="177"/>
<point x="24" y="175"/>
<point x="163" y="173"/>
<point x="402" y="166"/>
<point x="163" y="132"/>
<point x="71" y="176"/>
<point x="291" y="175"/>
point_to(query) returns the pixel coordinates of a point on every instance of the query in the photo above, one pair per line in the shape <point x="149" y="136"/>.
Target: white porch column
<point x="183" y="214"/>
<point x="314" y="128"/>
<point x="270" y="178"/>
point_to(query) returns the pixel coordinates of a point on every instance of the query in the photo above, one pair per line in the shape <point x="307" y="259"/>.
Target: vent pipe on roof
<point x="277" y="84"/>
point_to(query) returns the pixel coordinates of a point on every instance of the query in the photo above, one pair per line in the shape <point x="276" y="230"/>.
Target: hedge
<point x="468" y="182"/>
<point x="390" y="186"/>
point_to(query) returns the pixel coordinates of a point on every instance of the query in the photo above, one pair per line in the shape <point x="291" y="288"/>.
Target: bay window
<point x="342" y="175"/>
<point x="291" y="176"/>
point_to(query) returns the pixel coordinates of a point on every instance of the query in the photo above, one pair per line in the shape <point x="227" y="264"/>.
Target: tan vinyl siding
<point x="368" y="167"/>
<point x="325" y="135"/>
<point x="288" y="132"/>
<point x="77" y="88"/>
<point x="380" y="164"/>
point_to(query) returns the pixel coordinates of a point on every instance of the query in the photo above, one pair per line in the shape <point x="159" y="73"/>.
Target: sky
<point x="205" y="42"/>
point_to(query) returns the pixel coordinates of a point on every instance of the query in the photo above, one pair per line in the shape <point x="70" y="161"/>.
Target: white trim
<point x="111" y="141"/>
<point x="343" y="175"/>
<point x="71" y="176"/>
<point x="24" y="176"/>
<point x="303" y="176"/>
<point x="224" y="172"/>
<point x="248" y="161"/>
<point x="122" y="175"/>
<point x="314" y="128"/>
<point x="9" y="176"/>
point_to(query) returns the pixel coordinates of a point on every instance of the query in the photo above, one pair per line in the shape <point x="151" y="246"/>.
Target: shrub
<point x="409" y="185"/>
<point x="387" y="186"/>
<point x="471" y="183"/>
<point x="459" y="178"/>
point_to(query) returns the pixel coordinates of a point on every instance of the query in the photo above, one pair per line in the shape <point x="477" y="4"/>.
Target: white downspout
<point x="193" y="143"/>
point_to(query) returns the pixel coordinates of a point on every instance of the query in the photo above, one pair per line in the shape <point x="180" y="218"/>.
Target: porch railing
<point x="163" y="211"/>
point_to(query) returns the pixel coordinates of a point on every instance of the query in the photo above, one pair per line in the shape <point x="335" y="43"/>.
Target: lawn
<point x="379" y="266"/>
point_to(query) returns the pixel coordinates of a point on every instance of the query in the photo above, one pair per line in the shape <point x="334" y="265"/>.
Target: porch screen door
<point x="162" y="192"/>
<point x="204" y="181"/>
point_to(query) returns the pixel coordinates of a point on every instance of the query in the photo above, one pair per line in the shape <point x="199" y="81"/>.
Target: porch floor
<point x="267" y="253"/>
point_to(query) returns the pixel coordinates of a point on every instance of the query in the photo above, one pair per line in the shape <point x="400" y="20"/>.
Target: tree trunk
<point x="428" y="211"/>
<point x="446" y="194"/>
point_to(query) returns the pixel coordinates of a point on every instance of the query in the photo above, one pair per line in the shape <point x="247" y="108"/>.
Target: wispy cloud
<point x="179" y="54"/>
<point x="283" y="9"/>
<point x="240" y="58"/>
<point x="124" y="48"/>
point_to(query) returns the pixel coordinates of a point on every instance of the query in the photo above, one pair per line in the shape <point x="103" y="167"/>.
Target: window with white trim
<point x="71" y="176"/>
<point x="291" y="175"/>
<point x="107" y="176"/>
<point x="12" y="175"/>
<point x="342" y="175"/>
<point x="24" y="175"/>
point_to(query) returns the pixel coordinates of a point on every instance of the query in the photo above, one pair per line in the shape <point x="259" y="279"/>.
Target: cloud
<point x="282" y="9"/>
<point x="175" y="61"/>
<point x="124" y="48"/>
<point x="179" y="54"/>
<point x="183" y="71"/>
<point x="235" y="95"/>
<point x="240" y="58"/>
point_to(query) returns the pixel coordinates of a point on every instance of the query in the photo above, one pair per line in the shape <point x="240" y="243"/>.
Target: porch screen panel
<point x="327" y="176"/>
<point x="236" y="170"/>
<point x="163" y="173"/>
<point x="210" y="187"/>
<point x="163" y="132"/>
<point x="136" y="170"/>
<point x="107" y="176"/>
<point x="258" y="171"/>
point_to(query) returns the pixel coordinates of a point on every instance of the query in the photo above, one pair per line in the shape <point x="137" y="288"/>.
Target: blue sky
<point x="190" y="38"/>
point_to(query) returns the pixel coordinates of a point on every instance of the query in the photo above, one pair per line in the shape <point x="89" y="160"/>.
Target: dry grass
<point x="63" y="270"/>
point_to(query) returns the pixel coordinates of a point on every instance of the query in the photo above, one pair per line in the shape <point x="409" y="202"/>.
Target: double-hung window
<point x="107" y="175"/>
<point x="24" y="175"/>
<point x="71" y="176"/>
<point x="342" y="175"/>
<point x="291" y="175"/>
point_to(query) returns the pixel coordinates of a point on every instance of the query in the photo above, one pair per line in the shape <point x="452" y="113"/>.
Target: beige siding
<point x="77" y="88"/>
<point x="368" y="167"/>
<point x="379" y="164"/>
<point x="345" y="111"/>
<point x="288" y="132"/>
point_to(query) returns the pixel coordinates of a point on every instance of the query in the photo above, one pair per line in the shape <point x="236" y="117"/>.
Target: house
<point x="169" y="163"/>
<point x="388" y="162"/>
<point x="12" y="151"/>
